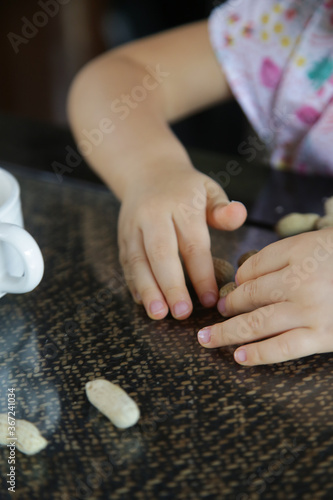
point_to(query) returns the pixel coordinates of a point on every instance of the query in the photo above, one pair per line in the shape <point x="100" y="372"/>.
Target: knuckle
<point x="255" y="321"/>
<point x="222" y="335"/>
<point x="256" y="355"/>
<point x="243" y="331"/>
<point x="231" y="301"/>
<point x="158" y="251"/>
<point x="191" y="249"/>
<point x="285" y="348"/>
<point x="227" y="337"/>
<point x="254" y="261"/>
<point x="134" y="259"/>
<point x="249" y="267"/>
<point x="173" y="291"/>
<point x="129" y="276"/>
<point x="251" y="290"/>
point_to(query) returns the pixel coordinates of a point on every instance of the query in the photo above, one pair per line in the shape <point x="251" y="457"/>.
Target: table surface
<point x="209" y="428"/>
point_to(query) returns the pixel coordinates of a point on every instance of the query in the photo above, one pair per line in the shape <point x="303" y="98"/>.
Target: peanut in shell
<point x="326" y="221"/>
<point x="111" y="400"/>
<point x="227" y="288"/>
<point x="224" y="271"/>
<point x="296" y="223"/>
<point x="246" y="256"/>
<point x="328" y="206"/>
<point x="28" y="439"/>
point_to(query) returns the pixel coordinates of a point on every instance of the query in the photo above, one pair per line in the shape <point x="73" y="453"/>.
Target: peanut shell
<point x="296" y="223"/>
<point x="326" y="221"/>
<point x="328" y="206"/>
<point x="113" y="402"/>
<point x="246" y="256"/>
<point x="28" y="438"/>
<point x="229" y="287"/>
<point x="3" y="428"/>
<point x="224" y="271"/>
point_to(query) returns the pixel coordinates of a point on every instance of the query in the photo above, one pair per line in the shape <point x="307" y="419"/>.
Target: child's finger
<point x="220" y="212"/>
<point x="271" y="258"/>
<point x="265" y="290"/>
<point x="223" y="214"/>
<point x="262" y="323"/>
<point x="194" y="246"/>
<point x="140" y="279"/>
<point x="161" y="247"/>
<point x="293" y="344"/>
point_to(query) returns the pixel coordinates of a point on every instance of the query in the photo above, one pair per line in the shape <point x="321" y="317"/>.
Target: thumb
<point x="220" y="212"/>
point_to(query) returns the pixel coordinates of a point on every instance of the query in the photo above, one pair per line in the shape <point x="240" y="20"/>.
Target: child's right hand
<point x="166" y="203"/>
<point x="164" y="214"/>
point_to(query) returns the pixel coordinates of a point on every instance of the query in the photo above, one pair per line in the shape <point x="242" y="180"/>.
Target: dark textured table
<point x="209" y="429"/>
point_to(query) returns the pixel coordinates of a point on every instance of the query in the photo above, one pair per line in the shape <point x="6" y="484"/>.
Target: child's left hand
<point x="283" y="299"/>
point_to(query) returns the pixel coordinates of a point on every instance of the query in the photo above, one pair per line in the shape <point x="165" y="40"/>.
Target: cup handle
<point x="31" y="255"/>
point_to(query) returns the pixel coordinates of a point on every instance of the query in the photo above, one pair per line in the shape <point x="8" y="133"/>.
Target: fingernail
<point x="236" y="280"/>
<point x="208" y="299"/>
<point x="204" y="335"/>
<point x="221" y="306"/>
<point x="156" y="307"/>
<point x="240" y="355"/>
<point x="181" y="308"/>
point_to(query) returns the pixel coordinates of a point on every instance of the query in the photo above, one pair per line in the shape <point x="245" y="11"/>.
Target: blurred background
<point x="45" y="42"/>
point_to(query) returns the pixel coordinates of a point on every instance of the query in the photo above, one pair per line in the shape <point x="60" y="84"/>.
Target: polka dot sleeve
<point x="278" y="59"/>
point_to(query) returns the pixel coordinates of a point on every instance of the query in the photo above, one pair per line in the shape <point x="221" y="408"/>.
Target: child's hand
<point x="161" y="215"/>
<point x="284" y="299"/>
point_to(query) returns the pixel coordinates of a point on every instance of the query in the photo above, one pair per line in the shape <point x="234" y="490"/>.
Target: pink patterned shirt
<point x="277" y="56"/>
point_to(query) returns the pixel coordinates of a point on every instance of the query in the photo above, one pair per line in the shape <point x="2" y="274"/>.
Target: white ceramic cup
<point x="21" y="261"/>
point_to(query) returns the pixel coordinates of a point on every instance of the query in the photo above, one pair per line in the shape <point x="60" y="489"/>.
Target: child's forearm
<point x="120" y="105"/>
<point x="119" y="135"/>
